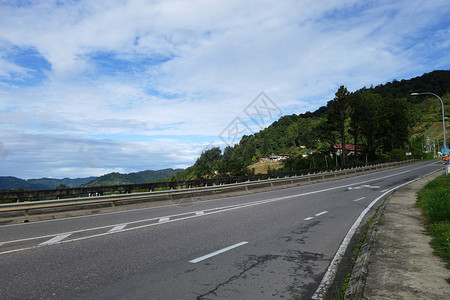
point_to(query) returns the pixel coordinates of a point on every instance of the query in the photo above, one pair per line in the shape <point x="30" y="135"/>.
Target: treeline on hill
<point x="13" y="183"/>
<point x="132" y="178"/>
<point x="382" y="122"/>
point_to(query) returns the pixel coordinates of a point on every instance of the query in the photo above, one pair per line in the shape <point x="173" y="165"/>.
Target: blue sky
<point x="92" y="87"/>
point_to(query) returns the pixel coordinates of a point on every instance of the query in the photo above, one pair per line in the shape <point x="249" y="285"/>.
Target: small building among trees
<point x="350" y="149"/>
<point x="278" y="157"/>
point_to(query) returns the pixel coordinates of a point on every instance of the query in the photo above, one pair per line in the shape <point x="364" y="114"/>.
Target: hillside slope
<point x="132" y="178"/>
<point x="13" y="183"/>
<point x="385" y="121"/>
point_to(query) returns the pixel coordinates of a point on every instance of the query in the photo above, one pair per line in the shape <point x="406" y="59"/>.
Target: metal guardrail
<point x="19" y="196"/>
<point x="177" y="195"/>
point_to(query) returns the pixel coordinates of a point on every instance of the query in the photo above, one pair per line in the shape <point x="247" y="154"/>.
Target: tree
<point x="394" y="123"/>
<point x="356" y="119"/>
<point x="338" y="116"/>
<point x="364" y="115"/>
<point x="207" y="162"/>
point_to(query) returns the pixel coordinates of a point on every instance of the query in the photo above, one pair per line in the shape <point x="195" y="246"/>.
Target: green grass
<point x="434" y="199"/>
<point x="435" y="130"/>
<point x="339" y="292"/>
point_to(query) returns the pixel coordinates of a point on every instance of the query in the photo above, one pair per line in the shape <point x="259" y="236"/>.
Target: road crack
<point x="297" y="263"/>
<point x="259" y="261"/>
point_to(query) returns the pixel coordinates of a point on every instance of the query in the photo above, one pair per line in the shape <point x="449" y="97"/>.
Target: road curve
<point x="267" y="245"/>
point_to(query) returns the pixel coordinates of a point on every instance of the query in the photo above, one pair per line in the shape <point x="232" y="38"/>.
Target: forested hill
<point x="383" y="121"/>
<point x="437" y="82"/>
<point x="13" y="183"/>
<point x="133" y="178"/>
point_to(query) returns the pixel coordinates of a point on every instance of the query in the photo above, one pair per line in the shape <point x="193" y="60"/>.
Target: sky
<point x="93" y="87"/>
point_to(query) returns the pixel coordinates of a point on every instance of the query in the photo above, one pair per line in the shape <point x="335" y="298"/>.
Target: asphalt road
<point x="276" y="244"/>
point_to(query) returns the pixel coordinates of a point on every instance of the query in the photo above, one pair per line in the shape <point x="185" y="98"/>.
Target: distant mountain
<point x="133" y="178"/>
<point x="54" y="183"/>
<point x="14" y="183"/>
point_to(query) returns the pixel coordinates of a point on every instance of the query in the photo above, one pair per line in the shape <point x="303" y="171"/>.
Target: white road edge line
<point x="194" y="261"/>
<point x="321" y="213"/>
<point x="384" y="190"/>
<point x="332" y="269"/>
<point x="359" y="199"/>
<point x="55" y="240"/>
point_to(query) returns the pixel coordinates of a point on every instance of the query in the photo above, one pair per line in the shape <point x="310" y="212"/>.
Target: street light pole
<point x="443" y="119"/>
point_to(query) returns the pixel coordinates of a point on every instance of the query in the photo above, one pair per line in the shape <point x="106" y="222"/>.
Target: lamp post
<point x="443" y="120"/>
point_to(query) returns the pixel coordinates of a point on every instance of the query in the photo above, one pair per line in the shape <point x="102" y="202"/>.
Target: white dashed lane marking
<point x="316" y="215"/>
<point x="359" y="199"/>
<point x="194" y="261"/>
<point x="321" y="213"/>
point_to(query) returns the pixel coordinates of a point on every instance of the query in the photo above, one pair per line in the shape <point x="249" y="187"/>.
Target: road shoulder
<point x="396" y="260"/>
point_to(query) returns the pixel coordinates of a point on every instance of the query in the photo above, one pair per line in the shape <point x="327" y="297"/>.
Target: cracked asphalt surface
<point x="290" y="244"/>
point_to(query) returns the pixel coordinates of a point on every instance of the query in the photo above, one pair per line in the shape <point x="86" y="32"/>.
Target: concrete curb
<point x="361" y="268"/>
<point x="372" y="276"/>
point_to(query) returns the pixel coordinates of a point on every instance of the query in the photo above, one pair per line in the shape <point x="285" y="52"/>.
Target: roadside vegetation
<point x="434" y="199"/>
<point x="339" y="292"/>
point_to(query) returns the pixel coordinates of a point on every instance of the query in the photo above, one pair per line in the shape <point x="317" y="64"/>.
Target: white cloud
<point x="3" y="151"/>
<point x="139" y="70"/>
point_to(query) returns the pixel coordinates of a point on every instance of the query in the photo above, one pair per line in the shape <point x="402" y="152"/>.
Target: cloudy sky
<point x="92" y="87"/>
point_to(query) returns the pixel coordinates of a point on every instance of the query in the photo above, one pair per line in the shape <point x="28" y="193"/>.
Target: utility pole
<point x="445" y="150"/>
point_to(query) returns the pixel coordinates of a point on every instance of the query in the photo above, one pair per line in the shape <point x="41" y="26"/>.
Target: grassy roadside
<point x="434" y="199"/>
<point x="339" y="292"/>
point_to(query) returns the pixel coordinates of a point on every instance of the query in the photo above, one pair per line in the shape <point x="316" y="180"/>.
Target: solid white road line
<point x="321" y="213"/>
<point x="194" y="261"/>
<point x="56" y="239"/>
<point x="165" y="219"/>
<point x="199" y="213"/>
<point x="359" y="199"/>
